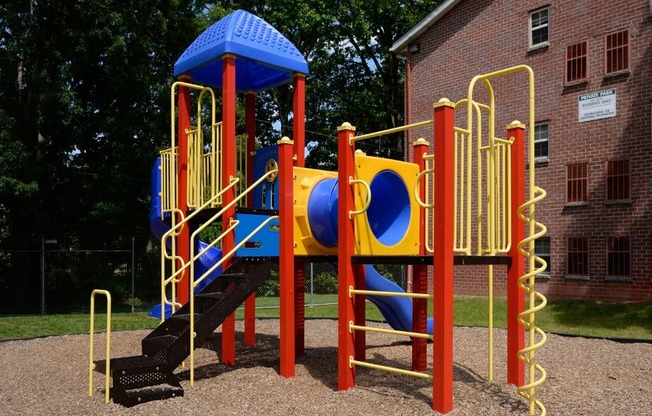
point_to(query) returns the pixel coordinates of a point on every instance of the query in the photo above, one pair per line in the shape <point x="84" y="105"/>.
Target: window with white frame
<point x="542" y="250"/>
<point x="539" y="27"/>
<point x="541" y="136"/>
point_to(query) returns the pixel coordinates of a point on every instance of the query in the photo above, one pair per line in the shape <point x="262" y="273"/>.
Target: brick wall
<point x="482" y="36"/>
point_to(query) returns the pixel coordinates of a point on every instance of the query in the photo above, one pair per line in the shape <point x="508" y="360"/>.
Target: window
<point x="539" y="27"/>
<point x="618" y="184"/>
<point x="577" y="256"/>
<point x="541" y="131"/>
<point x="617" y="52"/>
<point x="542" y="250"/>
<point x="618" y="257"/>
<point x="577" y="182"/>
<point x="576" y="62"/>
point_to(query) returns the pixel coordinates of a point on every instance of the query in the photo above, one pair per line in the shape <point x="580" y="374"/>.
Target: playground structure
<point x="372" y="210"/>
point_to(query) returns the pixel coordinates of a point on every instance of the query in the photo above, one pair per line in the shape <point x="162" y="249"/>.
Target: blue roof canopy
<point x="264" y="57"/>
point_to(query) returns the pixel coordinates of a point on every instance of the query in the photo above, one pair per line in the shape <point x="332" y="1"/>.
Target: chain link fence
<point x="50" y="280"/>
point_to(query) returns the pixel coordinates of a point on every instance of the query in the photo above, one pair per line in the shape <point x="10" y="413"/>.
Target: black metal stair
<point x="150" y="376"/>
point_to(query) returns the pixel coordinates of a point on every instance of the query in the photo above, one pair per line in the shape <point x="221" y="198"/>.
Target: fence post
<point x="133" y="272"/>
<point x="42" y="275"/>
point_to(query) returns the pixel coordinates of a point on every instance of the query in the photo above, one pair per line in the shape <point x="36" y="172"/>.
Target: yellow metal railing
<point x="241" y="163"/>
<point x="176" y="274"/>
<point x="168" y="170"/>
<point x="91" y="364"/>
<point x="499" y="166"/>
<point x="391" y="131"/>
<point x="196" y="146"/>
<point x="195" y="281"/>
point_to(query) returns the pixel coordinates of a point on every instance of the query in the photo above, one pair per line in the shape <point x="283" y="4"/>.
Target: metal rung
<point x="389" y="331"/>
<point x="380" y="293"/>
<point x="353" y="362"/>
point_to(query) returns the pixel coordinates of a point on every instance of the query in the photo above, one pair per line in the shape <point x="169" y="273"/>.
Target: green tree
<point x="84" y="100"/>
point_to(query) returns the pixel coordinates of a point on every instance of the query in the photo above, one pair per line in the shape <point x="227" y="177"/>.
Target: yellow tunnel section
<point x="386" y="216"/>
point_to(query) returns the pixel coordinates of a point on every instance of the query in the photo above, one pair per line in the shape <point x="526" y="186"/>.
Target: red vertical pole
<point x="345" y="249"/>
<point x="442" y="385"/>
<point x="516" y="297"/>
<point x="250" y="130"/>
<point x="420" y="271"/>
<point x="286" y="258"/>
<point x="299" y="118"/>
<point x="298" y="136"/>
<point x="183" y="241"/>
<point x="228" y="171"/>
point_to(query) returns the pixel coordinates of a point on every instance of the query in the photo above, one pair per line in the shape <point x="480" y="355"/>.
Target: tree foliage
<point x="84" y="101"/>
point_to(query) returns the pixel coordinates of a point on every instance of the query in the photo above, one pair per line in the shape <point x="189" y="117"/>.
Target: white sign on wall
<point x="597" y="105"/>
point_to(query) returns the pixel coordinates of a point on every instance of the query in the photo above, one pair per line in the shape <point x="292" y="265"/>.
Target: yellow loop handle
<point x="417" y="197"/>
<point x="367" y="201"/>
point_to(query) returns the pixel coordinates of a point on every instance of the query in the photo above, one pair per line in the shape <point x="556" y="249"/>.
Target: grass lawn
<point x="584" y="318"/>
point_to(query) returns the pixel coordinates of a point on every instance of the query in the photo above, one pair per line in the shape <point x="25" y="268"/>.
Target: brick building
<point x="596" y="166"/>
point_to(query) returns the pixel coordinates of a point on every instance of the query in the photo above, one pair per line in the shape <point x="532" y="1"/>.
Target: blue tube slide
<point x="389" y="217"/>
<point x="158" y="227"/>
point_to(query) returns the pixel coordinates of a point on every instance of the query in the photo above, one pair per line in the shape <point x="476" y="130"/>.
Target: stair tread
<point x="211" y="295"/>
<point x="154" y="389"/>
<point x="185" y="316"/>
<point x="126" y="363"/>
<point x="233" y="275"/>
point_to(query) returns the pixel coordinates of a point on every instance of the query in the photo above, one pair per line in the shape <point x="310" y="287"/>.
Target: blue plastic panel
<point x="264" y="243"/>
<point x="265" y="58"/>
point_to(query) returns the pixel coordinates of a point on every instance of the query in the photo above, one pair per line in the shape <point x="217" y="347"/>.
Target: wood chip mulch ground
<point x="49" y="376"/>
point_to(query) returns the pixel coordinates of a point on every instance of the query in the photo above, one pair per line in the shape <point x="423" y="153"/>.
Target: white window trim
<point x="532" y="29"/>
<point x="541" y="159"/>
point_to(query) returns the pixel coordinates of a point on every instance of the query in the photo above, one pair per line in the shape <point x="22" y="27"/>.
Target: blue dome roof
<point x="265" y="58"/>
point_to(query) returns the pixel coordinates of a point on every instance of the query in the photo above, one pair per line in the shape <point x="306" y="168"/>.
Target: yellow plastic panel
<point x="304" y="241"/>
<point x="390" y="224"/>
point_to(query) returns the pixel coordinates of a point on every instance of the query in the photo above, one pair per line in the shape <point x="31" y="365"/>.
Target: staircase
<point x="149" y="376"/>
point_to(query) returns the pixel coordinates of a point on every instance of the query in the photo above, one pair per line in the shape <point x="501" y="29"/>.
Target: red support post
<point x="250" y="130"/>
<point x="443" y="241"/>
<point x="228" y="171"/>
<point x="183" y="240"/>
<point x="515" y="296"/>
<point x="286" y="258"/>
<point x="298" y="136"/>
<point x="345" y="249"/>
<point x="420" y="272"/>
<point x="299" y="118"/>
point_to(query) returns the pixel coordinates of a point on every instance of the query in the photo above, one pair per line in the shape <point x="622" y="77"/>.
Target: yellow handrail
<point x="192" y="292"/>
<point x="91" y="364"/>
<point x="367" y="200"/>
<point x="390" y="131"/>
<point x="174" y="231"/>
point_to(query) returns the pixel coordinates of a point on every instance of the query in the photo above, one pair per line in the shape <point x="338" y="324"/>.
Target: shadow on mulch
<point x="321" y="364"/>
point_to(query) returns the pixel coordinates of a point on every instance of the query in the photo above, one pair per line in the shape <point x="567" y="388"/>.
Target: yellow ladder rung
<point x="389" y="331"/>
<point x="353" y="362"/>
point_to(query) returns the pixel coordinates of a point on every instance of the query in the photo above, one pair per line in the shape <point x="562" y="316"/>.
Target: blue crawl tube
<point x="389" y="218"/>
<point x="158" y="227"/>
